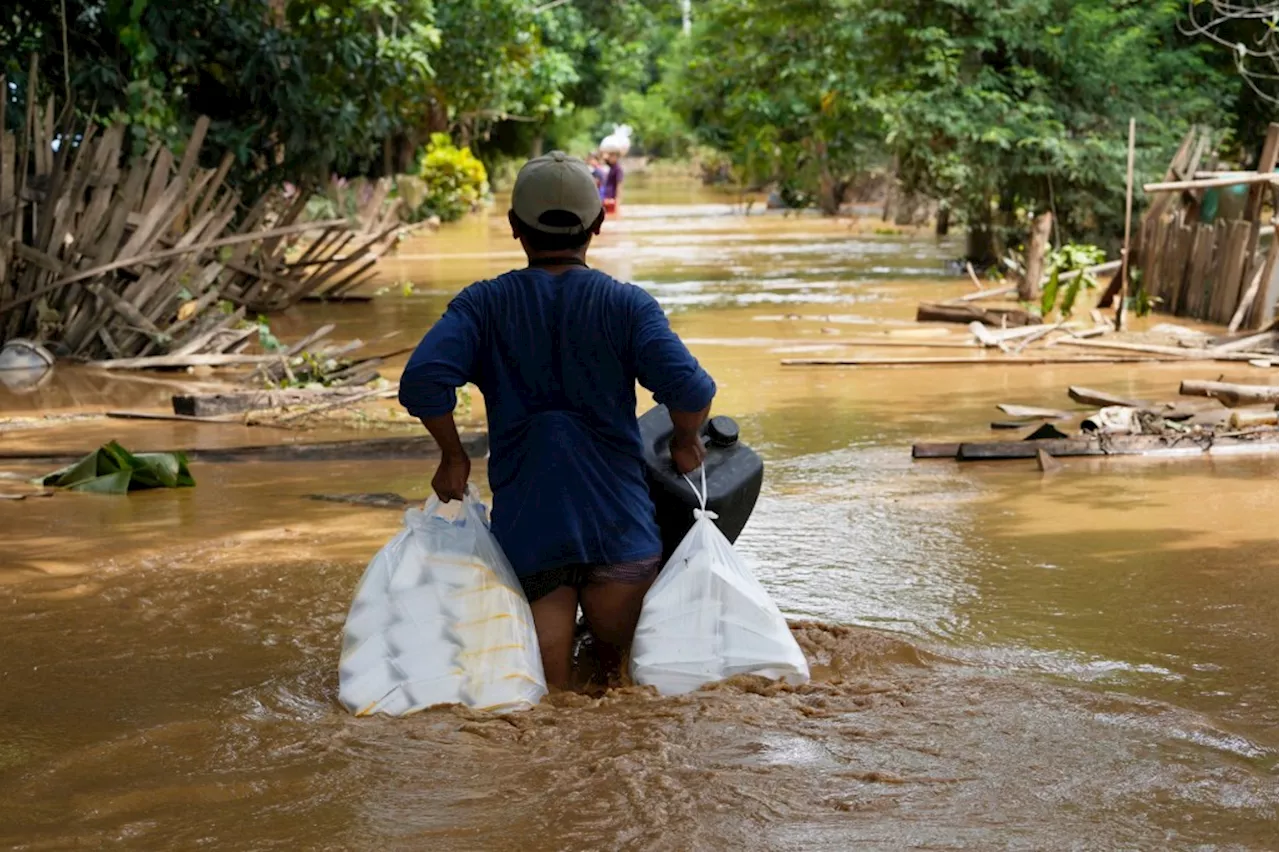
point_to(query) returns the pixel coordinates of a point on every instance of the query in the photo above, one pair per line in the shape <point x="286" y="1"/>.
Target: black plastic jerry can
<point x="734" y="476"/>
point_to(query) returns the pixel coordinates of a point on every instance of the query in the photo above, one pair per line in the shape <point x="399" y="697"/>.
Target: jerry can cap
<point x="722" y="431"/>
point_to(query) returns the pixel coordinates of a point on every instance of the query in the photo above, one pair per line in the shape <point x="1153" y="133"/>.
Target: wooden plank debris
<point x="178" y="362"/>
<point x="1102" y="399"/>
<point x="238" y="402"/>
<point x="1033" y="412"/>
<point x="1113" y="445"/>
<point x="1252" y="342"/>
<point x="1000" y="336"/>
<point x="1207" y="183"/>
<point x="1046" y="462"/>
<point x="1000" y="361"/>
<point x="1229" y="394"/>
<point x="1246" y="419"/>
<point x="966" y="313"/>
<point x="994" y="293"/>
<point x="1174" y="352"/>
<point x="973" y="276"/>
<point x="162" y="415"/>
<point x="934" y="451"/>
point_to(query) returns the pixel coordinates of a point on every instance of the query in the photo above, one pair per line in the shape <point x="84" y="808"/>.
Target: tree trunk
<point x="982" y="247"/>
<point x="890" y="192"/>
<point x="828" y="194"/>
<point x="406" y="152"/>
<point x="830" y="190"/>
<point x="437" y="118"/>
<point x="905" y="214"/>
<point x="1029" y="289"/>
<point x="943" y="221"/>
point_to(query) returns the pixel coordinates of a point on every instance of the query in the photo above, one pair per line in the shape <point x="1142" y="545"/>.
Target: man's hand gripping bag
<point x="707" y="618"/>
<point x="439" y="618"/>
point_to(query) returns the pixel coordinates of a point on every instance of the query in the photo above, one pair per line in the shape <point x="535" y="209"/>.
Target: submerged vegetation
<point x="1071" y="258"/>
<point x="993" y="110"/>
<point x="111" y="469"/>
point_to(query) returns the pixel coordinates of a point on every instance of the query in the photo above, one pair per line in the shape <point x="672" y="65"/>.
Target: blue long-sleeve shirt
<point x="557" y="358"/>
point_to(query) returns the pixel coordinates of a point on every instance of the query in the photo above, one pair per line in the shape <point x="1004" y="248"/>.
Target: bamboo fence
<point x="107" y="256"/>
<point x="1221" y="271"/>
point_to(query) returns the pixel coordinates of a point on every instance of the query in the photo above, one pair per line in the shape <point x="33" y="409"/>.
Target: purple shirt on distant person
<point x="612" y="180"/>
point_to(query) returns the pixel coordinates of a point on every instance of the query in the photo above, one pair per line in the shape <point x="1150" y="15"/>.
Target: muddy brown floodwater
<point x="1002" y="660"/>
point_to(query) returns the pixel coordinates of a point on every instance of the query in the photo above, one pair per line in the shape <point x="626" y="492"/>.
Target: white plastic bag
<point x="439" y="618"/>
<point x="617" y="142"/>
<point x="707" y="618"/>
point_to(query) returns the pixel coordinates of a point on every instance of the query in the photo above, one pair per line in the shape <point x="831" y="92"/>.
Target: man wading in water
<point x="556" y="349"/>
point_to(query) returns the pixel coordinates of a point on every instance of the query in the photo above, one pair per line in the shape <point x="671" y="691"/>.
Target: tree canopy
<point x="991" y="107"/>
<point x="1018" y="104"/>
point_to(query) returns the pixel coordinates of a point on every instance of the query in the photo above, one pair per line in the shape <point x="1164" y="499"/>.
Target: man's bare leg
<point x="612" y="609"/>
<point x="554" y="616"/>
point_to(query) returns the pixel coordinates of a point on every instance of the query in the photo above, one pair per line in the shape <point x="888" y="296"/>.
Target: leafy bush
<point x="456" y="182"/>
<point x="660" y="130"/>
<point x="714" y="166"/>
<point x="1070" y="258"/>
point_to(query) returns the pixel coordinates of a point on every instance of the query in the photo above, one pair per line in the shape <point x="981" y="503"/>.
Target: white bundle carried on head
<point x="439" y="618"/>
<point x="617" y="142"/>
<point x="707" y="618"/>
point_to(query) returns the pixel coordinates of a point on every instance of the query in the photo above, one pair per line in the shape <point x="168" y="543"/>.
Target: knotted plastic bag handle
<point x="470" y="504"/>
<point x="701" y="511"/>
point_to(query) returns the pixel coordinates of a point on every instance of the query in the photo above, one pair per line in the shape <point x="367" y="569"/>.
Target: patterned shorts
<point x="633" y="572"/>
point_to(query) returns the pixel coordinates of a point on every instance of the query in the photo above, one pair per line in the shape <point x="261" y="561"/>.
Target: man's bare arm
<point x="686" y="441"/>
<point x="450" y="481"/>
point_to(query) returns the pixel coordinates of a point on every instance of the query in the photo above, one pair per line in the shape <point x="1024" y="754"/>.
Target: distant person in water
<point x="597" y="172"/>
<point x="556" y="349"/>
<point x="611" y="189"/>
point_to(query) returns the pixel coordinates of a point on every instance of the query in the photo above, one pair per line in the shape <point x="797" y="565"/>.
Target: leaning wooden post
<point x="1037" y="245"/>
<point x="1128" y="216"/>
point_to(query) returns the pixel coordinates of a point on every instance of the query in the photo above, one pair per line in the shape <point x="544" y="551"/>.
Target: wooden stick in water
<point x="999" y="361"/>
<point x="1229" y="394"/>
<point x="385" y="393"/>
<point x="973" y="276"/>
<point x="1128" y="222"/>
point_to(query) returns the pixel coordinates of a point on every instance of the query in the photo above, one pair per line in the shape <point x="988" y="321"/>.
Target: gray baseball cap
<point x="556" y="182"/>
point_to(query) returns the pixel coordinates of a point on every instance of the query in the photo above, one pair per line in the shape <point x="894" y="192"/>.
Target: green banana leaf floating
<point x="111" y="469"/>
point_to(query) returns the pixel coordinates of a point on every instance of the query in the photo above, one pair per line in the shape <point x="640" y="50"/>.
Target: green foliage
<point x="456" y="181"/>
<point x="490" y="67"/>
<point x="1025" y="103"/>
<point x="990" y="107"/>
<point x="111" y="469"/>
<point x="1070" y="258"/>
<point x="294" y="89"/>
<point x="612" y="60"/>
<point x="1141" y="302"/>
<point x="268" y="341"/>
<point x="793" y="109"/>
<point x="657" y="128"/>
